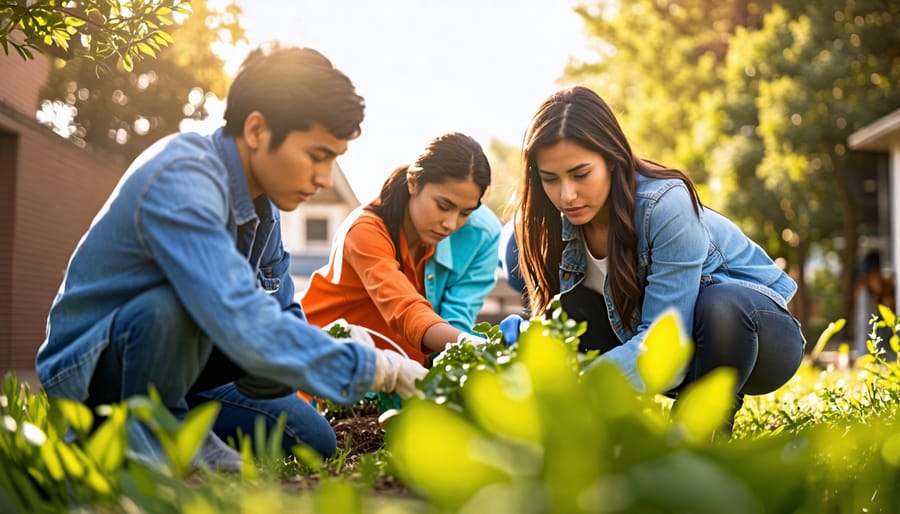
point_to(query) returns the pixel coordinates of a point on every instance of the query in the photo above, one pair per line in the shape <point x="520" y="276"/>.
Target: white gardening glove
<point x="357" y="332"/>
<point x="475" y="340"/>
<point x="395" y="373"/>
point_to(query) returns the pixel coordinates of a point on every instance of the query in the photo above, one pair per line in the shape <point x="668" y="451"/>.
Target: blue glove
<point x="511" y="326"/>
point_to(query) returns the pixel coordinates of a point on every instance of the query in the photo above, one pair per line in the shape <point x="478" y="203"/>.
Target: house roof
<point x="340" y="191"/>
<point x="880" y="135"/>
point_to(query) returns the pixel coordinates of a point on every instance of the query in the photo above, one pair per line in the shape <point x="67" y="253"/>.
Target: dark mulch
<point x="358" y="433"/>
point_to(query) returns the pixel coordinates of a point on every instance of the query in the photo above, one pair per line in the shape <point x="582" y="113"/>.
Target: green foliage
<point x="121" y="112"/>
<point x="539" y="432"/>
<point x="56" y="455"/>
<point x="127" y="31"/>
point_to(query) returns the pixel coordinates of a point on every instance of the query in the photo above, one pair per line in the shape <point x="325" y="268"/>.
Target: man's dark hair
<point x="293" y="88"/>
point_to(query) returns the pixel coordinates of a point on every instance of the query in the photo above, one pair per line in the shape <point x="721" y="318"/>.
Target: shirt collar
<point x="241" y="203"/>
<point x="443" y="253"/>
<point x="569" y="230"/>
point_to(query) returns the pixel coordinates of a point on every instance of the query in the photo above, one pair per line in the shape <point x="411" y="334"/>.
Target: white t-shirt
<point x="595" y="271"/>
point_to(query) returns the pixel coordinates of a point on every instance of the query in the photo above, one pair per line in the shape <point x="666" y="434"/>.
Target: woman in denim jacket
<point x="623" y="239"/>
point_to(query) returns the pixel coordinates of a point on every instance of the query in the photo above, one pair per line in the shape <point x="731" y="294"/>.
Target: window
<point x="317" y="229"/>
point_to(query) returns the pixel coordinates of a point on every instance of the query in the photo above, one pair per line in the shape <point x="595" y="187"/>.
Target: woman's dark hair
<point x="294" y="88"/>
<point x="452" y="156"/>
<point x="577" y="114"/>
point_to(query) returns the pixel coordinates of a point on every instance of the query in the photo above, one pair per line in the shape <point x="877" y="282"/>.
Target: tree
<point x="122" y="112"/>
<point x="656" y="66"/>
<point x="99" y="30"/>
<point x="797" y="88"/>
<point x="756" y="98"/>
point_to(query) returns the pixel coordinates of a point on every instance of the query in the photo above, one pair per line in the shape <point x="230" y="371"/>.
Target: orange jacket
<point x="363" y="284"/>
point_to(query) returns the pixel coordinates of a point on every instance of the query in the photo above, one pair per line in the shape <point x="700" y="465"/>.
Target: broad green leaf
<point x="665" y="354"/>
<point x="77" y="414"/>
<point x="703" y="406"/>
<point x="193" y="431"/>
<point x="449" y="469"/>
<point x="146" y="49"/>
<point x="106" y="445"/>
<point x="552" y="366"/>
<point x="71" y="460"/>
<point x="504" y="403"/>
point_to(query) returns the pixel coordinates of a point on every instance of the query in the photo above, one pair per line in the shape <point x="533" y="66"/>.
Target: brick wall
<point x="50" y="191"/>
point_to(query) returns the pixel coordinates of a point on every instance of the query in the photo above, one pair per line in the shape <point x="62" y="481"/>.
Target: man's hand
<point x="395" y="373"/>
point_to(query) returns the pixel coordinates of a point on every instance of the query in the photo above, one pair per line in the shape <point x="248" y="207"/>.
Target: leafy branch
<point x="99" y="30"/>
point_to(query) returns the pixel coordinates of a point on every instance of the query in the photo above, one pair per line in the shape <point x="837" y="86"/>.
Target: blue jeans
<point x="734" y="326"/>
<point x="153" y="340"/>
<point x="740" y="328"/>
<point x="304" y="424"/>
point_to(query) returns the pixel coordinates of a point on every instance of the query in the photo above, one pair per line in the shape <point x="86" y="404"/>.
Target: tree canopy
<point x="755" y="99"/>
<point x="121" y="111"/>
<point x="100" y="30"/>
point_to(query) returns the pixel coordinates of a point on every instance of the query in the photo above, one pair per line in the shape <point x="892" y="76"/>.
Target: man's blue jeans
<point x="153" y="340"/>
<point x="304" y="424"/>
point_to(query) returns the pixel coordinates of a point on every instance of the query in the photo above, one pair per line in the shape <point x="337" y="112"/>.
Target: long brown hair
<point x="579" y="115"/>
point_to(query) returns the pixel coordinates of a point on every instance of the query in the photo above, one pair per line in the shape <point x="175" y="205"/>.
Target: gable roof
<point x="340" y="191"/>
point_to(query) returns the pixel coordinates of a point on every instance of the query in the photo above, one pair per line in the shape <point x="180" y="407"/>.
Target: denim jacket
<point x="182" y="215"/>
<point x="677" y="254"/>
<point x="463" y="269"/>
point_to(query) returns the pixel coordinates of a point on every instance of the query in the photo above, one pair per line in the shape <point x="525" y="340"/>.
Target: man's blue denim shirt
<point x="182" y="215"/>
<point x="677" y="254"/>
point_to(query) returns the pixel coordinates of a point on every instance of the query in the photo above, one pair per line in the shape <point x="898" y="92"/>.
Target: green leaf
<point x="52" y="461"/>
<point x="665" y="355"/>
<point x="504" y="403"/>
<point x="72" y="461"/>
<point x="704" y="405"/>
<point x="193" y="431"/>
<point x="427" y="464"/>
<point x="887" y="315"/>
<point x="127" y="62"/>
<point x="107" y="444"/>
<point x="77" y="414"/>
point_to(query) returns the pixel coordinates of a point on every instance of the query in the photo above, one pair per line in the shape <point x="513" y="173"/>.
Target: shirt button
<point x="430" y="276"/>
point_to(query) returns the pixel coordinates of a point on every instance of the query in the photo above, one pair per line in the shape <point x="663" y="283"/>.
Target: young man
<point x="182" y="281"/>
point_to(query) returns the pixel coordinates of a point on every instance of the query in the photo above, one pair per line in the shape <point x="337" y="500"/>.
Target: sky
<point x="426" y="67"/>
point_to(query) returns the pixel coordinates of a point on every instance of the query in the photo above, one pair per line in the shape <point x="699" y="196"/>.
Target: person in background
<point x="181" y="281"/>
<point x="871" y="290"/>
<point x="621" y="239"/>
